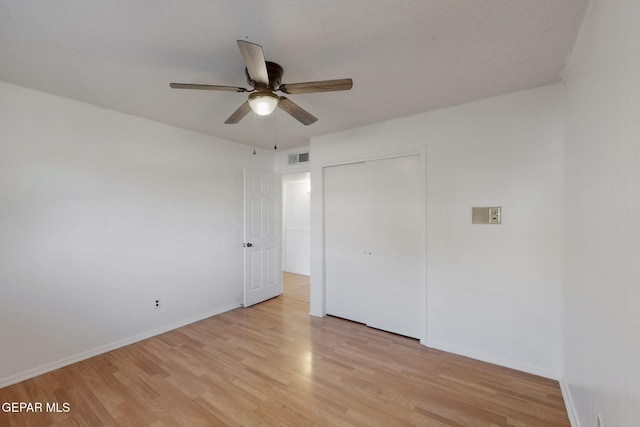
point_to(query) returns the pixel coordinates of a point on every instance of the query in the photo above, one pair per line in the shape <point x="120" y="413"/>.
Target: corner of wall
<point x="568" y="403"/>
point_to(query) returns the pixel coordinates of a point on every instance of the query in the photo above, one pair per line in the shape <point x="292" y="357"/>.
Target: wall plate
<point x="486" y="215"/>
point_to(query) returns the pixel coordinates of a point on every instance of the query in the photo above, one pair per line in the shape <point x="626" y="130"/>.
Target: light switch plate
<point x="486" y="215"/>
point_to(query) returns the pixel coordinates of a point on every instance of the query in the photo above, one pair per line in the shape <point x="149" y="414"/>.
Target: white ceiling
<point x="404" y="56"/>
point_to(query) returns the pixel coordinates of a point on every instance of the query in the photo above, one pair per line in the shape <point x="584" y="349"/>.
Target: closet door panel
<point x="394" y="233"/>
<point x="345" y="214"/>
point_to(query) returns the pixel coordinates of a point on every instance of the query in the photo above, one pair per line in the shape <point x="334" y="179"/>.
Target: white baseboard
<point x="25" y="375"/>
<point x="519" y="366"/>
<point x="568" y="403"/>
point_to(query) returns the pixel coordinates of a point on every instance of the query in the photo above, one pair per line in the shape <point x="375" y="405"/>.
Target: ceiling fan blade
<point x="296" y="111"/>
<point x="254" y="60"/>
<point x="207" y="87"/>
<point x="321" y="86"/>
<point x="237" y="115"/>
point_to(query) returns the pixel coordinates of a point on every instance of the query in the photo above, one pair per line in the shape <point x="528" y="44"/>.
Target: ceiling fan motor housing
<point x="274" y="71"/>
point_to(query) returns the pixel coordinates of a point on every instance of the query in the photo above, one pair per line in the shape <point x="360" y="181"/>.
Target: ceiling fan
<point x="265" y="78"/>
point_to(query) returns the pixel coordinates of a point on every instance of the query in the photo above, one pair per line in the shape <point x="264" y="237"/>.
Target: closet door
<point x="394" y="239"/>
<point x="345" y="207"/>
<point x="373" y="243"/>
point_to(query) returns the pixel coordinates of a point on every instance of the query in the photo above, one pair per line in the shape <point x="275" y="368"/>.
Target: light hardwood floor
<point x="295" y="286"/>
<point x="274" y="365"/>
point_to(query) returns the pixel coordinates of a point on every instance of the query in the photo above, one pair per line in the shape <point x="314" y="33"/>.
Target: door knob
<point x="247" y="245"/>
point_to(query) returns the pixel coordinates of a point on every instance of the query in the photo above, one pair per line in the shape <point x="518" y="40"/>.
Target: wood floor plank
<point x="296" y="286"/>
<point x="274" y="365"/>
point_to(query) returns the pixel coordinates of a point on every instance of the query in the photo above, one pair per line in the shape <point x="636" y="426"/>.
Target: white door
<point x="374" y="243"/>
<point x="346" y="257"/>
<point x="262" y="225"/>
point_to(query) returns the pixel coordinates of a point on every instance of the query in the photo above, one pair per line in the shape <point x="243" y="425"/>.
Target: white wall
<point x="296" y="223"/>
<point x="493" y="292"/>
<point x="602" y="373"/>
<point x="100" y="214"/>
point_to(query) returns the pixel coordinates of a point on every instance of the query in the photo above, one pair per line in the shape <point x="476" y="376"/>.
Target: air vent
<point x="298" y="158"/>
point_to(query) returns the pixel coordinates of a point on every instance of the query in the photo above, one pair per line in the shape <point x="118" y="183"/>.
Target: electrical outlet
<point x="157" y="304"/>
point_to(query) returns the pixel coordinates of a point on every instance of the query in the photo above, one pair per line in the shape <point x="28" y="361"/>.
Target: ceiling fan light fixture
<point x="263" y="103"/>
<point x="265" y="78"/>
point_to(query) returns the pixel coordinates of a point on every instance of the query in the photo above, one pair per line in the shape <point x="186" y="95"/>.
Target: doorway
<point x="296" y="235"/>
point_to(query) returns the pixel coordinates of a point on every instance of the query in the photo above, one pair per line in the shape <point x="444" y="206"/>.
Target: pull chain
<point x="254" y="134"/>
<point x="275" y="130"/>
